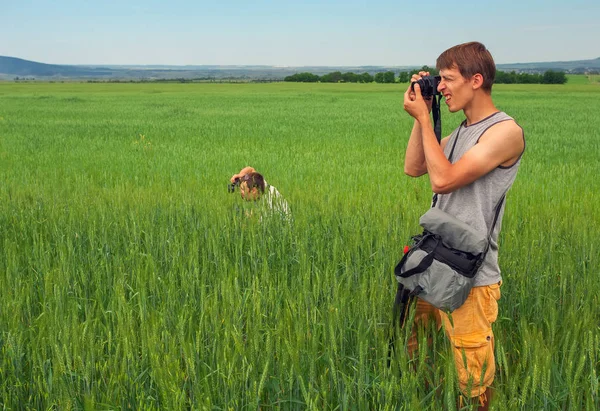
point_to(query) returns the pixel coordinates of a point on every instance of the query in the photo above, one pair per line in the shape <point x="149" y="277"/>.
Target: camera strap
<point x="437" y="118"/>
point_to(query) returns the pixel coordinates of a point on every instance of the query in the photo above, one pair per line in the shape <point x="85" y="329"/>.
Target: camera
<point x="231" y="187"/>
<point x="428" y="86"/>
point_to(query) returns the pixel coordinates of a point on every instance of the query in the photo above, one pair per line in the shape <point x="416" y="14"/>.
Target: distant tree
<point x="554" y="77"/>
<point x="389" y="77"/>
<point x="337" y="77"/>
<point x="403" y="77"/>
<point x="385" y="77"/>
<point x="549" y="77"/>
<point x="312" y="78"/>
<point x="528" y="78"/>
<point x="366" y="78"/>
<point x="303" y="78"/>
<point x="350" y="77"/>
<point x="502" y="77"/>
<point x="432" y="71"/>
<point x="334" y="77"/>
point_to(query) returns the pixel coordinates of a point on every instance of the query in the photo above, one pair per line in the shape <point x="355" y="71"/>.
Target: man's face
<point x="456" y="89"/>
<point x="249" y="194"/>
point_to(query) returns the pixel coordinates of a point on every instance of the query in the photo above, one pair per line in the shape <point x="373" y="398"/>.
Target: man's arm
<point x="414" y="158"/>
<point x="242" y="173"/>
<point x="501" y="144"/>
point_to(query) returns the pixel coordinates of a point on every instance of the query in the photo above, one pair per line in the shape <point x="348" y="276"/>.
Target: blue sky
<point x="294" y="33"/>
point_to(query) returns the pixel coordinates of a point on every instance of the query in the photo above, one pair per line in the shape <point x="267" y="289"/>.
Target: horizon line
<point x="277" y="65"/>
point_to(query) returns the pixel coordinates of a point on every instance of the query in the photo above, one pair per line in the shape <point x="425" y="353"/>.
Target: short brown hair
<point x="254" y="180"/>
<point x="470" y="59"/>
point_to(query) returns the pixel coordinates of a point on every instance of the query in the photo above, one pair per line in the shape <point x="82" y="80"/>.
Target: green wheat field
<point x="130" y="280"/>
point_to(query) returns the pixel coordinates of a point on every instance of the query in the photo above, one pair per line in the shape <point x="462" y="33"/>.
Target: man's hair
<point x="254" y="180"/>
<point x="470" y="59"/>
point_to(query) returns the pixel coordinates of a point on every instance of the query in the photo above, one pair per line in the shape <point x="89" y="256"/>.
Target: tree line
<point x="548" y="77"/>
<point x="502" y="77"/>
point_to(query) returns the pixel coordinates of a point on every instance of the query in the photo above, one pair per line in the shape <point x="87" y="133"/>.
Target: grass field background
<point x="129" y="279"/>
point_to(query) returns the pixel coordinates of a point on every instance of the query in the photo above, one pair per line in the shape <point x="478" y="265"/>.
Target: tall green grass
<point x="130" y="279"/>
<point x="582" y="78"/>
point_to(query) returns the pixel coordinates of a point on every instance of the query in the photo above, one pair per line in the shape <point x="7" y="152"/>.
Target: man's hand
<point x="242" y="173"/>
<point x="414" y="161"/>
<point x="415" y="105"/>
<point x="417" y="77"/>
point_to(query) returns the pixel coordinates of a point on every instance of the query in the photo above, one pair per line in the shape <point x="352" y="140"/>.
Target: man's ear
<point x="477" y="81"/>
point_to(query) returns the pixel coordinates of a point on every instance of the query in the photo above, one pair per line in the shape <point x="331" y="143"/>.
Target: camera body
<point x="231" y="187"/>
<point x="428" y="86"/>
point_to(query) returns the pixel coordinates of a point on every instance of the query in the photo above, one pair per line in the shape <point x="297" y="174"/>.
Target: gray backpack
<point x="441" y="265"/>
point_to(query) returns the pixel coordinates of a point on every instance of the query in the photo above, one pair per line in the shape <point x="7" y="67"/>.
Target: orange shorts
<point x="471" y="336"/>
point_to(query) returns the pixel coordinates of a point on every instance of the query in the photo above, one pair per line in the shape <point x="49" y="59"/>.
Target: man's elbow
<point x="440" y="186"/>
<point x="440" y="190"/>
<point x="440" y="183"/>
<point x="414" y="172"/>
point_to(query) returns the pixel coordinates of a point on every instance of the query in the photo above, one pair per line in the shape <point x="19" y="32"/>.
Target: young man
<point x="486" y="157"/>
<point x="253" y="187"/>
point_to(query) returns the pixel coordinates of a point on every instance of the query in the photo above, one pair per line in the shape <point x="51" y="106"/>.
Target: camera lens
<point x="428" y="85"/>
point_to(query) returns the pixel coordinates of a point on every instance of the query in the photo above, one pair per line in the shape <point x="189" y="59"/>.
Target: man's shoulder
<point x="507" y="130"/>
<point x="503" y="140"/>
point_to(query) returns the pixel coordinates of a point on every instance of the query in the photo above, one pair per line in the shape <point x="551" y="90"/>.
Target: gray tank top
<point x="475" y="203"/>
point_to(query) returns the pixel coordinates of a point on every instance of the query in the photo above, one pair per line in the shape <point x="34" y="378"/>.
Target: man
<point x="486" y="157"/>
<point x="253" y="187"/>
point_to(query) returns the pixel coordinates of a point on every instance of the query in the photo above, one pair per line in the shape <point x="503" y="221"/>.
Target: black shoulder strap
<point x="497" y="213"/>
<point x="435" y="196"/>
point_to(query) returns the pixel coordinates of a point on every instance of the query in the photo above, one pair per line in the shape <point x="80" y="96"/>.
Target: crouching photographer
<point x="264" y="198"/>
<point x="453" y="265"/>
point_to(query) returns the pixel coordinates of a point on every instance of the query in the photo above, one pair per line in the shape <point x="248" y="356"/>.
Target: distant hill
<point x="574" y="67"/>
<point x="18" y="67"/>
<point x="12" y="67"/>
